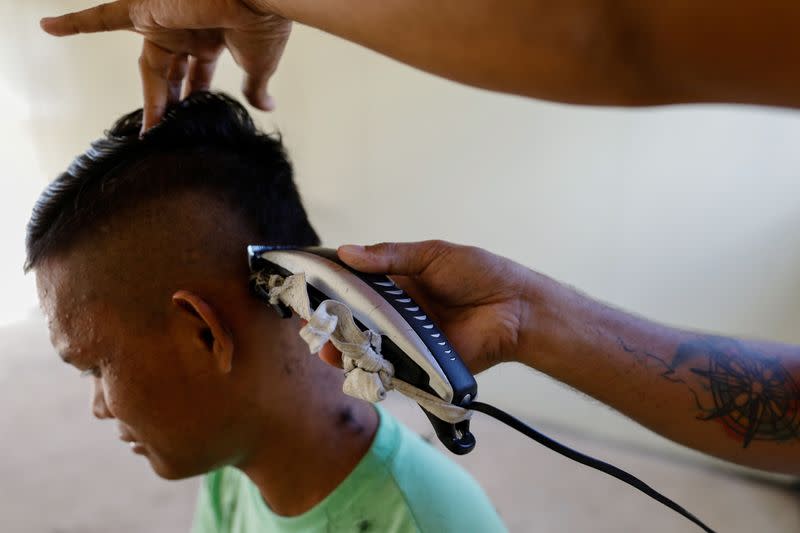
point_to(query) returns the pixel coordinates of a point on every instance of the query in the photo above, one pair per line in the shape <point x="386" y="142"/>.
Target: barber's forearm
<point x="571" y="50"/>
<point x="737" y="400"/>
<point x="736" y="51"/>
<point x="611" y="52"/>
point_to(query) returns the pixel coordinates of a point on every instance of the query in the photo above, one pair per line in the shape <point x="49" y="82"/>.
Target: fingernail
<point x="353" y="249"/>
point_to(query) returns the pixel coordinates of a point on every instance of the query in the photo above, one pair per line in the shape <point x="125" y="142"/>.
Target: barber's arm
<point x="613" y="52"/>
<point x="735" y="399"/>
<point x="609" y="52"/>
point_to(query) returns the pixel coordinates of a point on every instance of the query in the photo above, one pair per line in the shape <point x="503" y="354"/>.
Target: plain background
<point x="685" y="215"/>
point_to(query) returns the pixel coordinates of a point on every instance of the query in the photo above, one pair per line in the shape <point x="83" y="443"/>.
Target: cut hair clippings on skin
<point x="388" y="342"/>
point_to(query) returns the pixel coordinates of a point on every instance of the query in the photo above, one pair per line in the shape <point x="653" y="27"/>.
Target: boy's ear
<point x="206" y="326"/>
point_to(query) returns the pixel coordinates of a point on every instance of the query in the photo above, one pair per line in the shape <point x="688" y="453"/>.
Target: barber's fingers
<point x="257" y="50"/>
<point x="258" y="55"/>
<point x="328" y="352"/>
<point x="407" y="259"/>
<point x="331" y="355"/>
<point x="177" y="73"/>
<point x="155" y="66"/>
<point x="201" y="72"/>
<point x="254" y="87"/>
<point x="105" y="17"/>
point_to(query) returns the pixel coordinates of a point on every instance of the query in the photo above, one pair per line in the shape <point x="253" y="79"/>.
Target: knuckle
<point x="438" y="244"/>
<point x="72" y="21"/>
<point x="384" y="249"/>
<point x="435" y="250"/>
<point x="389" y="254"/>
<point x="380" y="248"/>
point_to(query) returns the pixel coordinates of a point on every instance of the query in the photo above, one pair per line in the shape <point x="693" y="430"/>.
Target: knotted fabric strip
<point x="368" y="375"/>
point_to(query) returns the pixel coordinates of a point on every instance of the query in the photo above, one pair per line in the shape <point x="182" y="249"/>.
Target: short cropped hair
<point x="207" y="142"/>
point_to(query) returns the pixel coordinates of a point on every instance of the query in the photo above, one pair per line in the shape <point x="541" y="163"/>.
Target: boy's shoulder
<point x="439" y="492"/>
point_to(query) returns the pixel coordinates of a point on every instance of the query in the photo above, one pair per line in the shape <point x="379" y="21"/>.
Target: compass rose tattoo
<point x="752" y="395"/>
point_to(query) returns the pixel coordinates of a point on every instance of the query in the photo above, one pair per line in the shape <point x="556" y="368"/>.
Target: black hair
<point x="206" y="142"/>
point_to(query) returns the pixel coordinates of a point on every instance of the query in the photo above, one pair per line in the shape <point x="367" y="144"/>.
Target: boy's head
<point x="140" y="257"/>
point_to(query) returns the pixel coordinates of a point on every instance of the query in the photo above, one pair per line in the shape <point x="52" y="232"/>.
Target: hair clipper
<point x="421" y="354"/>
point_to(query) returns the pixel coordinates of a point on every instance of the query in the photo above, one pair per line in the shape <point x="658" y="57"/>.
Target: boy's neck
<point x="296" y="471"/>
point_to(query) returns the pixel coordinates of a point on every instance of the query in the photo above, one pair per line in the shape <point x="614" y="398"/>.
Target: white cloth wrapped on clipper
<point x="368" y="375"/>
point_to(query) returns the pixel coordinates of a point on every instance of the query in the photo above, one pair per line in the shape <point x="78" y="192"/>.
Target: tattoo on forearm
<point x="753" y="396"/>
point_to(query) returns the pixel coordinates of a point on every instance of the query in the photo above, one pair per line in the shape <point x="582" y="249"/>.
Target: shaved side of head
<point x="137" y="259"/>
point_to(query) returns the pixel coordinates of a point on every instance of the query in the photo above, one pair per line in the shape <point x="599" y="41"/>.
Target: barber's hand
<point x="478" y="299"/>
<point x="183" y="40"/>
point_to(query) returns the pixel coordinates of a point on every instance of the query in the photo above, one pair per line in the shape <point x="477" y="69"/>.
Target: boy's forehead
<point x="80" y="335"/>
<point x="69" y="301"/>
<point x="63" y="282"/>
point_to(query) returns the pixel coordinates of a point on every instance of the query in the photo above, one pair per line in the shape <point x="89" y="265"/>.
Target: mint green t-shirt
<point x="402" y="484"/>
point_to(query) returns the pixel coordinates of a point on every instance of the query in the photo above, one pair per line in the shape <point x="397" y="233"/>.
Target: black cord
<point x="611" y="470"/>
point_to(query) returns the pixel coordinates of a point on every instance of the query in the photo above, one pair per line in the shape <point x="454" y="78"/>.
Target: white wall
<point x="686" y="215"/>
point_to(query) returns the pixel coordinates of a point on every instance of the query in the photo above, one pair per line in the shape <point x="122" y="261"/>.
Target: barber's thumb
<point x="376" y="258"/>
